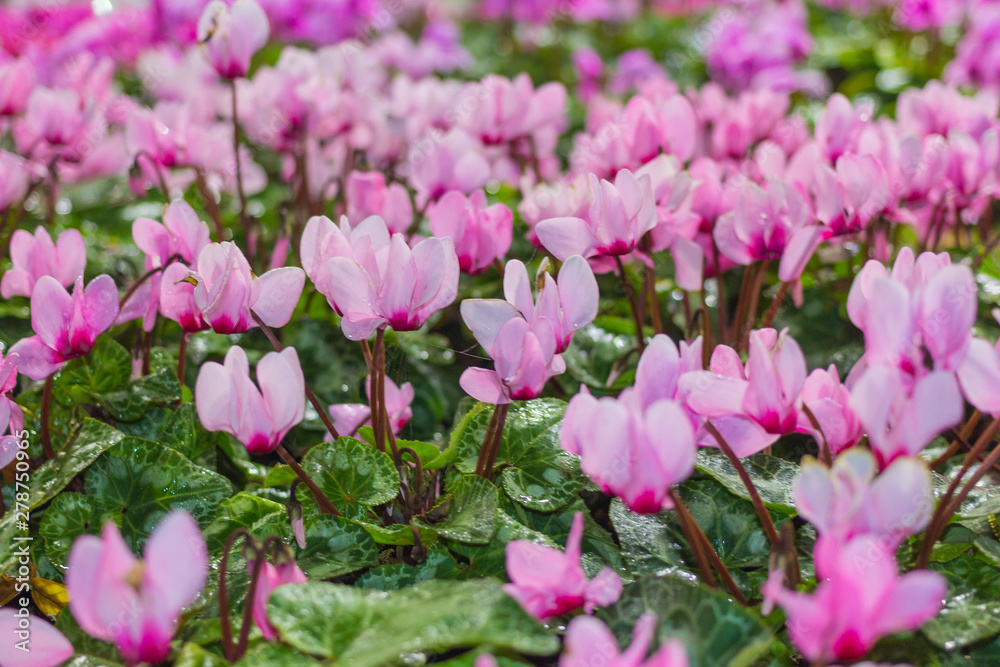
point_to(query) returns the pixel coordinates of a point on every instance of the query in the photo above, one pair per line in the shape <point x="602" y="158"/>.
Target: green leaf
<point x="273" y="655"/>
<point x="773" y="477"/>
<point x="336" y="546"/>
<point x="66" y="518"/>
<point x="192" y="655"/>
<point x="51" y="477"/>
<point x="972" y="609"/>
<point x="260" y="516"/>
<point x="144" y="480"/>
<point x="159" y="388"/>
<point x="397" y="534"/>
<point x="107" y="368"/>
<point x="360" y="627"/>
<point x="717" y="631"/>
<point x="395" y="576"/>
<point x="595" y="355"/>
<point x="490" y="559"/>
<point x="183" y="431"/>
<point x="426" y="451"/>
<point x="472" y="510"/>
<point x="350" y="473"/>
<point x="537" y="473"/>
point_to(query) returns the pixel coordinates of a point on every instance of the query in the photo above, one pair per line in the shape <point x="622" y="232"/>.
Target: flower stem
<point x="182" y="357"/>
<point x="159" y="172"/>
<point x="491" y="442"/>
<point x="772" y="311"/>
<point x="690" y="528"/>
<point x="228" y="647"/>
<point x="654" y="302"/>
<point x="239" y="165"/>
<point x="323" y="416"/>
<point x="210" y="204"/>
<point x="949" y="503"/>
<point x="325" y="505"/>
<point x="45" y="416"/>
<point x="633" y="302"/>
<point x="758" y="504"/>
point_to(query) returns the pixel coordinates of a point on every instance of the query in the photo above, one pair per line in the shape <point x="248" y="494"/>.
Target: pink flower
<point x="771" y="224"/>
<point x="231" y="35"/>
<point x="349" y="417"/>
<point x="454" y="162"/>
<point x="227" y="290"/>
<point x="367" y="195"/>
<point x="830" y="403"/>
<point x="548" y="582"/>
<point x="14" y="180"/>
<point x="767" y="390"/>
<point x="55" y="116"/>
<point x="11" y="416"/>
<point x="36" y="256"/>
<point x="511" y="109"/>
<point x="380" y="281"/>
<point x="861" y="598"/>
<point x="44" y="645"/>
<point x="481" y="234"/>
<point x="181" y="233"/>
<point x="137" y="603"/>
<point x="901" y="421"/>
<point x="633" y="451"/>
<point x="620" y="215"/>
<point x="65" y="326"/>
<point x="177" y="301"/>
<point x="271" y="577"/>
<point x="588" y="639"/>
<point x="17" y="79"/>
<point x="568" y="302"/>
<point x="523" y="353"/>
<point x="229" y="401"/>
<point x="848" y="499"/>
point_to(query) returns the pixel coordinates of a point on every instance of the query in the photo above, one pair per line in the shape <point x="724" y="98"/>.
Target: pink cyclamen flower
<point x="135" y="603"/>
<point x="524" y="353"/>
<point x="231" y="35"/>
<point x="829" y="403"/>
<point x="902" y="420"/>
<point x="11" y="416"/>
<point x="14" y="179"/>
<point x="769" y="224"/>
<point x="367" y="195"/>
<point x="848" y="499"/>
<point x="381" y="281"/>
<point x="44" y="646"/>
<point x="548" y="582"/>
<point x="587" y="639"/>
<point x="271" y="577"/>
<point x="766" y="391"/>
<point x="481" y="234"/>
<point x="36" y="255"/>
<point x="182" y="233"/>
<point x="349" y="417"/>
<point x="631" y="451"/>
<point x="861" y="598"/>
<point x="226" y="290"/>
<point x="17" y="79"/>
<point x="177" y="301"/>
<point x="65" y="326"/>
<point x="620" y="215"/>
<point x="569" y="302"/>
<point x="229" y="401"/>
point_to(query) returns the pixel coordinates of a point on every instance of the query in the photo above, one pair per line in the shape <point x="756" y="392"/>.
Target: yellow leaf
<point x="51" y="597"/>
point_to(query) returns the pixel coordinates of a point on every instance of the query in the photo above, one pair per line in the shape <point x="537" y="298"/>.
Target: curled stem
<point x="758" y="504"/>
<point x="324" y="504"/>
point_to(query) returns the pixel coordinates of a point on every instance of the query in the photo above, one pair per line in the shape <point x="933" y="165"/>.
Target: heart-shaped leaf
<point x="352" y="474"/>
<point x="472" y="507"/>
